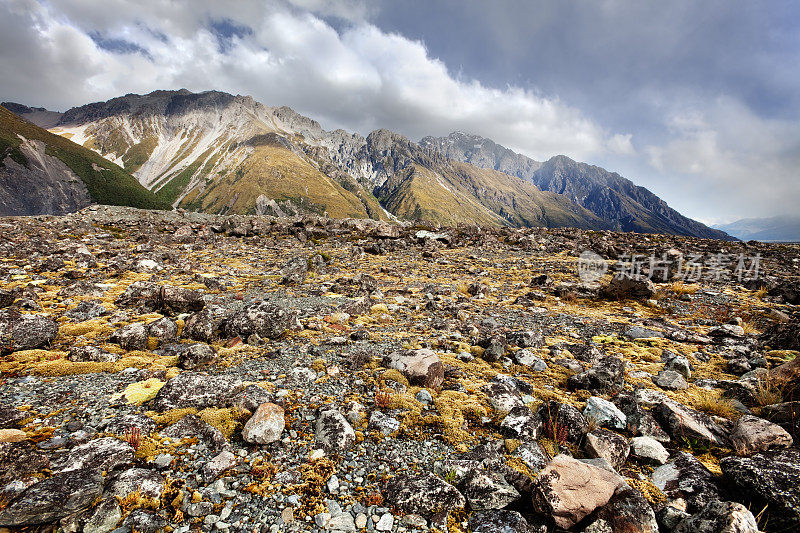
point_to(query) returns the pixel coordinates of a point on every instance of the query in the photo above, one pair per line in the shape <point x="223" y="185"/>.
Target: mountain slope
<point x="43" y="173"/>
<point x="626" y="206"/>
<point x="775" y="229"/>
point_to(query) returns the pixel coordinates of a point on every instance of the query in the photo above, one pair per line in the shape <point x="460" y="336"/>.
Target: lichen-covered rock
<point x="568" y="490"/>
<point x="131" y="337"/>
<point x="423" y="495"/>
<point x="104" y="518"/>
<point x="720" y="517"/>
<point x="191" y="356"/>
<point x="628" y="287"/>
<point x="604" y="413"/>
<point x="176" y="300"/>
<point x="221" y="462"/>
<point x="19" y="460"/>
<point x="333" y="432"/>
<point x="148" y="483"/>
<point x="196" y="389"/>
<point x="487" y="490"/>
<point x="608" y="445"/>
<point x="420" y="367"/>
<point x="629" y="512"/>
<point x="265" y="319"/>
<point x="522" y="423"/>
<point x="502" y="521"/>
<point x="532" y="454"/>
<point x="670" y="380"/>
<point x="164" y="329"/>
<point x="54" y="498"/>
<point x="562" y="421"/>
<point x="771" y="476"/>
<point x="502" y="397"/>
<point x="684" y="477"/>
<point x="25" y="332"/>
<point x="752" y="434"/>
<point x="91" y="353"/>
<point x="193" y="426"/>
<point x="649" y="450"/>
<point x="265" y="426"/>
<point x="205" y="325"/>
<point x="606" y="375"/>
<point x="685" y="423"/>
<point x="104" y="453"/>
<point x="250" y="398"/>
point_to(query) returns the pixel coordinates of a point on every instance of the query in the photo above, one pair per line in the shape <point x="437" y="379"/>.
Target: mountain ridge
<point x="216" y="151"/>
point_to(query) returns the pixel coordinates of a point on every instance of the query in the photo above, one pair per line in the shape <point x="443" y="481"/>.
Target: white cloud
<point x="358" y="77"/>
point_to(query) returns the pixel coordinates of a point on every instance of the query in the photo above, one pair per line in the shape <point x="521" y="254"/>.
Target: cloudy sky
<point x="697" y="100"/>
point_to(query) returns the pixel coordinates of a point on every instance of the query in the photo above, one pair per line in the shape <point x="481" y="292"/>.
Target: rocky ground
<point x="177" y="371"/>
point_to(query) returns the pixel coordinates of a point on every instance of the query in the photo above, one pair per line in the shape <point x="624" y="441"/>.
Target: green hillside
<point x="107" y="183"/>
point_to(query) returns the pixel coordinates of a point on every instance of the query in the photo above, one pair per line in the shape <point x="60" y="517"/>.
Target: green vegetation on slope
<point x="109" y="184"/>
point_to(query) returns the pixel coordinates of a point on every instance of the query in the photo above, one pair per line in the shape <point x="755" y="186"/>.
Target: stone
<point x="685" y="478"/>
<point x="164" y="329"/>
<point x="772" y="476"/>
<point x="752" y="434"/>
<point x="532" y="454"/>
<point x="104" y="518"/>
<point x="684" y="423"/>
<point x="87" y="310"/>
<point x="91" y="354"/>
<point x="422" y="494"/>
<point x="221" y="462"/>
<point x="628" y="287"/>
<point x="385" y="523"/>
<point x="568" y="490"/>
<point x="25" y="332"/>
<point x="295" y="271"/>
<point x="333" y="432"/>
<point x="12" y="435"/>
<point x="502" y="398"/>
<point x="720" y="517"/>
<point x="638" y="332"/>
<point x="604" y="413"/>
<point x="191" y="356"/>
<point x="562" y="421"/>
<point x="251" y="398"/>
<point x="120" y="425"/>
<point x="196" y="389"/>
<point x="421" y="367"/>
<point x="54" y="498"/>
<point x="264" y="319"/>
<point x="607" y="375"/>
<point x="487" y="490"/>
<point x="522" y="423"/>
<point x="680" y="365"/>
<point x="204" y="325"/>
<point x="131" y="337"/>
<point x="194" y="426"/>
<point x="649" y="450"/>
<point x="148" y="483"/>
<point x="671" y="380"/>
<point x="383" y="423"/>
<point x="265" y="426"/>
<point x="19" y="460"/>
<point x="608" y="445"/>
<point x="11" y="417"/>
<point x="629" y="512"/>
<point x="105" y="453"/>
<point x="528" y="358"/>
<point x="176" y="300"/>
<point x="502" y="521"/>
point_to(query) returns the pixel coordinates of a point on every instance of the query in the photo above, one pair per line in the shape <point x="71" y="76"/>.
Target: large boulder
<point x="265" y="319"/>
<point x="54" y="498"/>
<point x="772" y="477"/>
<point x="607" y="445"/>
<point x="569" y="490"/>
<point x="196" y="389"/>
<point x="131" y="337"/>
<point x="629" y="512"/>
<point x="488" y="490"/>
<point x="25" y="332"/>
<point x="752" y="434"/>
<point x="628" y="287"/>
<point x="720" y="517"/>
<point x="105" y="453"/>
<point x="192" y="426"/>
<point x="421" y="367"/>
<point x="423" y="495"/>
<point x="562" y="422"/>
<point x="687" y="424"/>
<point x="685" y="478"/>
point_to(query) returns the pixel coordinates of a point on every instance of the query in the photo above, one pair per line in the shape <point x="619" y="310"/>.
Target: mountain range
<point x="770" y="229"/>
<point x="220" y="153"/>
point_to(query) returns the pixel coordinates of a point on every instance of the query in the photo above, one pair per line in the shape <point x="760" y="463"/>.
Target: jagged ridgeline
<point x="43" y="173"/>
<point x="225" y="154"/>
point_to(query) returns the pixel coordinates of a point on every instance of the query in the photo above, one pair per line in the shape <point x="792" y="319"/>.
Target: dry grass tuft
<point x="714" y="403"/>
<point x="767" y="393"/>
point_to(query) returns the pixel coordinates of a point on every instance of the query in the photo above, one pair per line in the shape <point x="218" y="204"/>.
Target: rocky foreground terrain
<point x="170" y="371"/>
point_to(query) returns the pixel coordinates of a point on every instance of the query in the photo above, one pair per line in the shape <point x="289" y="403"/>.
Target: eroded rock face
<point x="25" y="332"/>
<point x="54" y="498"/>
<point x="423" y="495"/>
<point x="333" y="432"/>
<point x="265" y="319"/>
<point x="420" y="367"/>
<point x="771" y="476"/>
<point x="568" y="490"/>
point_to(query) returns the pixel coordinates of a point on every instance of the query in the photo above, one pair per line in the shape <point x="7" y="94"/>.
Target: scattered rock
<point x="265" y="426"/>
